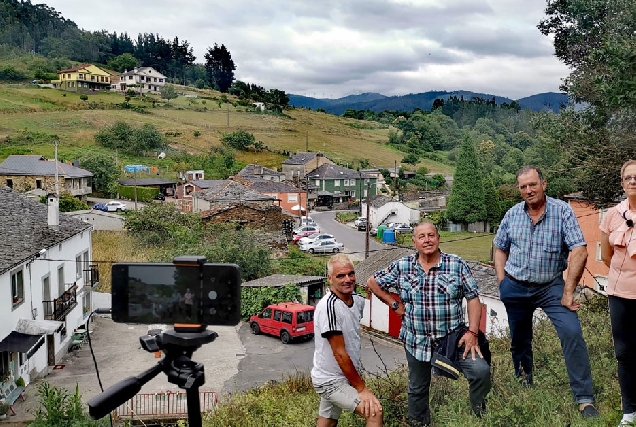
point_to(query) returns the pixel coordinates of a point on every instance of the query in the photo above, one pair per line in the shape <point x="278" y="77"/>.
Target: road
<point x="353" y="240"/>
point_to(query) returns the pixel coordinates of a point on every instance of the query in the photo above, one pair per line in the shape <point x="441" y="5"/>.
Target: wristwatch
<point x="395" y="305"/>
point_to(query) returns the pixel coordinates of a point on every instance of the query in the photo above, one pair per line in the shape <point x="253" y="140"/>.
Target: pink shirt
<point x="622" y="273"/>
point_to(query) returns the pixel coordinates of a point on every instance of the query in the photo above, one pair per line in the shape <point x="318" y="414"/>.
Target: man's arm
<point x="578" y="258"/>
<point x="501" y="257"/>
<point x="470" y="338"/>
<point x="369" y="404"/>
<point x="607" y="251"/>
<point x="383" y="295"/>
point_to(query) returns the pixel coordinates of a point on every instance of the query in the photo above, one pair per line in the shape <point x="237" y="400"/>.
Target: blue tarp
<point x="136" y="168"/>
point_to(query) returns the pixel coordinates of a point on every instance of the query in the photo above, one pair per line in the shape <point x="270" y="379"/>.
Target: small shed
<point x="312" y="288"/>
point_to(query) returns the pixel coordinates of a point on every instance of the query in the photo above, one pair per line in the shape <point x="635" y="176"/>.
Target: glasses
<point x="342" y="275"/>
<point x="628" y="178"/>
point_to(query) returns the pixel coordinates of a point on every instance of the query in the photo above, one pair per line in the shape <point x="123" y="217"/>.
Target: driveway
<point x="353" y="240"/>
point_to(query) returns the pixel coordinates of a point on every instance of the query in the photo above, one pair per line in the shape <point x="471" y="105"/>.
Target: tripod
<point x="178" y="346"/>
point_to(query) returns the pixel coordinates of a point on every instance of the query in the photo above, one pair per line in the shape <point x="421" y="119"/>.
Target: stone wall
<point x="270" y="219"/>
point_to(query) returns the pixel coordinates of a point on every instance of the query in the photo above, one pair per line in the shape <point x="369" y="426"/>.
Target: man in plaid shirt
<point x="431" y="286"/>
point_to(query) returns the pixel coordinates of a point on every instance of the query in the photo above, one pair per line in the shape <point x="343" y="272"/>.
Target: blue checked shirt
<point x="539" y="253"/>
<point x="433" y="301"/>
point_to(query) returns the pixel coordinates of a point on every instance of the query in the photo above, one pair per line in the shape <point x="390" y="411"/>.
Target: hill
<point x="424" y="101"/>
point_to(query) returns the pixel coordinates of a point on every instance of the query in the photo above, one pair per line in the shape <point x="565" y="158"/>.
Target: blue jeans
<point x="477" y="372"/>
<point x="521" y="301"/>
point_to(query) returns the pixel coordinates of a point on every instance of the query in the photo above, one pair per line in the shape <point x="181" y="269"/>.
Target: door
<point x="50" y="349"/>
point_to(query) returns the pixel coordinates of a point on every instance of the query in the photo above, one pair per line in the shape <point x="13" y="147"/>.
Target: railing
<point x="93" y="272"/>
<point x="60" y="307"/>
<point x="164" y="404"/>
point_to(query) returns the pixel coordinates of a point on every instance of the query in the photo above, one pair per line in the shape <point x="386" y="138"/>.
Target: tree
<point x="105" y="172"/>
<point x="491" y="199"/>
<point x="239" y="140"/>
<point x="123" y="62"/>
<point x="466" y="202"/>
<point x="169" y="92"/>
<point x="219" y="67"/>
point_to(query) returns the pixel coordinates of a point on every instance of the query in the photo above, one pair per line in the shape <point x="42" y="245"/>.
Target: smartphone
<point x="165" y="293"/>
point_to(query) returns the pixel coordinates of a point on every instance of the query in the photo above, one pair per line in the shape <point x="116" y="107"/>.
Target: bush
<point x="239" y="140"/>
<point x="84" y="97"/>
<point x="20" y="382"/>
<point x="4" y="408"/>
<point x="144" y="194"/>
<point x="59" y="408"/>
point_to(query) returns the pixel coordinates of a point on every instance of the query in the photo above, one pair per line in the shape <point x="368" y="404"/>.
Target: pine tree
<point x="219" y="67"/>
<point x="466" y="202"/>
<point x="491" y="198"/>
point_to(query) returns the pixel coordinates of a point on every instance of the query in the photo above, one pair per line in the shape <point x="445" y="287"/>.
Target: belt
<point x="526" y="283"/>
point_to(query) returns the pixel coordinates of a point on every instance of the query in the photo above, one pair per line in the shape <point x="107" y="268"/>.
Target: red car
<point x="287" y="320"/>
<point x="303" y="231"/>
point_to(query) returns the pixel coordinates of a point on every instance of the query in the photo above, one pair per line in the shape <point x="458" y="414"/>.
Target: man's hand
<point x="369" y="405"/>
<point x="568" y="302"/>
<point x="471" y="345"/>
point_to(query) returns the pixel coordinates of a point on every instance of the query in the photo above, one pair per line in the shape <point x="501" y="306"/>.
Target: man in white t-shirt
<point x="335" y="374"/>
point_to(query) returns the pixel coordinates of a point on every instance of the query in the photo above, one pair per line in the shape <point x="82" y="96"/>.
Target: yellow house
<point x="83" y="78"/>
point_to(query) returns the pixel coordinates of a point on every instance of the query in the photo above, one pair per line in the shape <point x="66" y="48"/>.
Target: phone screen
<point x="163" y="293"/>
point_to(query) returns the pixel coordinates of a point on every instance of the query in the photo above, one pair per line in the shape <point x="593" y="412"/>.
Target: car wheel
<point x="118" y="210"/>
<point x="311" y="251"/>
<point x="336" y="250"/>
<point x="255" y="328"/>
<point x="284" y="337"/>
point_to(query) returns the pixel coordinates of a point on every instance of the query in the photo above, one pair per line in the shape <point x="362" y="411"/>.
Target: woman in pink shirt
<point x="618" y="250"/>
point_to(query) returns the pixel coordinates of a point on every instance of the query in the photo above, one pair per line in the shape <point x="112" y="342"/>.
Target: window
<point x="155" y="79"/>
<point x="78" y="267"/>
<point x="317" y="182"/>
<point x="81" y="76"/>
<point x="60" y="280"/>
<point x="130" y="77"/>
<point x="336" y="183"/>
<point x="304" y="316"/>
<point x="17" y="287"/>
<point x="86" y="268"/>
<point x="598" y="252"/>
<point x="267" y="313"/>
<point x="292" y="197"/>
<point x="277" y="315"/>
<point x="141" y="78"/>
<point x="38" y="184"/>
<point x="160" y="80"/>
<point x="46" y="288"/>
<point x="287" y="317"/>
<point x="10" y="183"/>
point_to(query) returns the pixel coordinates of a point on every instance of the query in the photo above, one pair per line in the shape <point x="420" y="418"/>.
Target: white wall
<point x="379" y="315"/>
<point x="402" y="213"/>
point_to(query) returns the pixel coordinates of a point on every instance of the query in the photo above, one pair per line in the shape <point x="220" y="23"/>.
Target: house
<point x="312" y="288"/>
<point x="83" y="78"/>
<point x="142" y="80"/>
<point x="291" y="199"/>
<point x="224" y="192"/>
<point x="338" y="185"/>
<point x="185" y="190"/>
<point x="589" y="218"/>
<point x="256" y="171"/>
<point x="384" y="209"/>
<point x="380" y="317"/>
<point x="24" y="173"/>
<point x="300" y="164"/>
<point x="46" y="280"/>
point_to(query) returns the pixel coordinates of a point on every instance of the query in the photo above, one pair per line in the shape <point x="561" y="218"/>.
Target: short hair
<point x="527" y="169"/>
<point x="627" y="163"/>
<point x="426" y="221"/>
<point x="337" y="259"/>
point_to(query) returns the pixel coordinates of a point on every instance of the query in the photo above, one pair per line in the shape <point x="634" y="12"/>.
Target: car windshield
<point x="304" y="316"/>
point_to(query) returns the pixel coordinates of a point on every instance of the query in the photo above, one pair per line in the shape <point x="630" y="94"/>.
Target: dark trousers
<point x="521" y="301"/>
<point x="477" y="372"/>
<point x="623" y="317"/>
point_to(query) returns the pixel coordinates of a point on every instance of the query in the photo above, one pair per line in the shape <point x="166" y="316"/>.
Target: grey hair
<point x="337" y="259"/>
<point x="527" y="169"/>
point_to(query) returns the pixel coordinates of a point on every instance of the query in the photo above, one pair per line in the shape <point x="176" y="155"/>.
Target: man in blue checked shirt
<point x="431" y="286"/>
<point x="532" y="247"/>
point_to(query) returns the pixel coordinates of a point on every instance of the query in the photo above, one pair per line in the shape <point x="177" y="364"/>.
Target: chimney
<point x="54" y="211"/>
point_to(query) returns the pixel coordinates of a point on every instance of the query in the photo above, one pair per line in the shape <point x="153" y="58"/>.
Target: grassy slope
<point x="65" y="115"/>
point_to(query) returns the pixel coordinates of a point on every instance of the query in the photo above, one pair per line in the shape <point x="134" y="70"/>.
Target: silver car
<point x="322" y="246"/>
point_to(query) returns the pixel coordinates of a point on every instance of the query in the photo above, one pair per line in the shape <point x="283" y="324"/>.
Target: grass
<point x="470" y="246"/>
<point x="292" y="402"/>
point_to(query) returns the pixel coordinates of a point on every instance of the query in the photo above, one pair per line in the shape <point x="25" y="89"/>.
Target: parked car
<point x="160" y="196"/>
<point x="362" y="226"/>
<point x="307" y="220"/>
<point x="358" y="220"/>
<point x="314" y="237"/>
<point x="99" y="207"/>
<point x="322" y="246"/>
<point x="402" y="228"/>
<point x="287" y="320"/>
<point x="306" y="230"/>
<point x="115" y="206"/>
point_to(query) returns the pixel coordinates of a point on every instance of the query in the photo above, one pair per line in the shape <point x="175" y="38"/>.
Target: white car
<point x="359" y="220"/>
<point x="314" y="237"/>
<point x="323" y="246"/>
<point x="115" y="206"/>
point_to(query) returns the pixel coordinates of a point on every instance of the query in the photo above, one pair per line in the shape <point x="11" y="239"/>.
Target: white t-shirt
<point x="333" y="315"/>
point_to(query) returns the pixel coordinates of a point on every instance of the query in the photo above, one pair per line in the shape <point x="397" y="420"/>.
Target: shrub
<point x="84" y="97"/>
<point x="196" y="134"/>
<point x="20" y="382"/>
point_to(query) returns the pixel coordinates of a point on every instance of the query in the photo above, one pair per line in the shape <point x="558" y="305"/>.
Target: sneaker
<point x="628" y="420"/>
<point x="589" y="411"/>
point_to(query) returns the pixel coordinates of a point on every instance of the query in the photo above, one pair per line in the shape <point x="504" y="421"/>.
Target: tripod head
<point x="178" y="345"/>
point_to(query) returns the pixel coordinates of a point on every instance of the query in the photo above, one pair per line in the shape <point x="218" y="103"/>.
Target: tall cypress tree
<point x="219" y="67"/>
<point x="491" y="197"/>
<point x="466" y="202"/>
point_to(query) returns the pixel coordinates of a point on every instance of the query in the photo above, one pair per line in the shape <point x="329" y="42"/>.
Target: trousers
<point x="623" y="325"/>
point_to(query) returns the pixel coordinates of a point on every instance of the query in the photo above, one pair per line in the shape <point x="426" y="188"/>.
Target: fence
<point x="164" y="404"/>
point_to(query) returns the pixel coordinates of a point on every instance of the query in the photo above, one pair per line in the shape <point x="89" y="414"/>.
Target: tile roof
<point x="284" y="279"/>
<point x="36" y="165"/>
<point x="230" y="191"/>
<point x="330" y="171"/>
<point x="75" y="68"/>
<point x="25" y="232"/>
<point x="300" y="158"/>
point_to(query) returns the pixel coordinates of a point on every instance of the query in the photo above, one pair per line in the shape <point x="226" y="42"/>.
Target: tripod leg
<point x="194" y="407"/>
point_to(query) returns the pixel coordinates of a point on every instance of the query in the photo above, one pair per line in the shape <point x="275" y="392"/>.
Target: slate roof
<point x="206" y="183"/>
<point x="257" y="170"/>
<point x="265" y="186"/>
<point x="23" y="224"/>
<point x="141" y="182"/>
<point x="283" y="280"/>
<point x="380" y="200"/>
<point x="230" y="191"/>
<point x="36" y="165"/>
<point x="330" y="171"/>
<point x="300" y="158"/>
<point x="484" y="274"/>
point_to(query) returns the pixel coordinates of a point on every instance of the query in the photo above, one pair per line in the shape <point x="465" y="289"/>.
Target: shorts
<point x="336" y="396"/>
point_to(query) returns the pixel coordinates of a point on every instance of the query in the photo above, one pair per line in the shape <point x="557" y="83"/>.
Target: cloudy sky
<point x="334" y="48"/>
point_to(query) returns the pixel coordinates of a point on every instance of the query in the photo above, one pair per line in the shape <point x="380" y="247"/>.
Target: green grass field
<point x="470" y="246"/>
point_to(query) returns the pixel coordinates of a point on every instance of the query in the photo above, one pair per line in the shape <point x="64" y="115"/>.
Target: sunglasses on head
<point x="342" y="275"/>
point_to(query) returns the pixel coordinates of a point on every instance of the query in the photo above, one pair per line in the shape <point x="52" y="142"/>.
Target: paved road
<point x="353" y="240"/>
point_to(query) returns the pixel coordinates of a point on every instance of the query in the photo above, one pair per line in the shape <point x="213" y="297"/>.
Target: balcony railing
<point x="92" y="275"/>
<point x="60" y="307"/>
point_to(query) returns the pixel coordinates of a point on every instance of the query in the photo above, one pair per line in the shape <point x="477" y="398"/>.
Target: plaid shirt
<point x="539" y="253"/>
<point x="433" y="301"/>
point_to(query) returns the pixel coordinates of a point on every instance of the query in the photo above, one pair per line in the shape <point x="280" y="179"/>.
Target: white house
<point x="46" y="280"/>
<point x="384" y="209"/>
<point x="142" y="80"/>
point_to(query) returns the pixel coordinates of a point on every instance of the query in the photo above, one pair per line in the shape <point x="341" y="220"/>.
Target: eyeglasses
<point x="628" y="178"/>
<point x="342" y="275"/>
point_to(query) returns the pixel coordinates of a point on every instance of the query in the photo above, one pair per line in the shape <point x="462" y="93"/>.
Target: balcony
<point x="60" y="307"/>
<point x="92" y="275"/>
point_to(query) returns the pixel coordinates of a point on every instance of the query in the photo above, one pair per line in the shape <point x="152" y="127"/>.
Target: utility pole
<point x="228" y="116"/>
<point x="307" y="142"/>
<point x="397" y="176"/>
<point x="57" y="184"/>
<point x="366" y="242"/>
